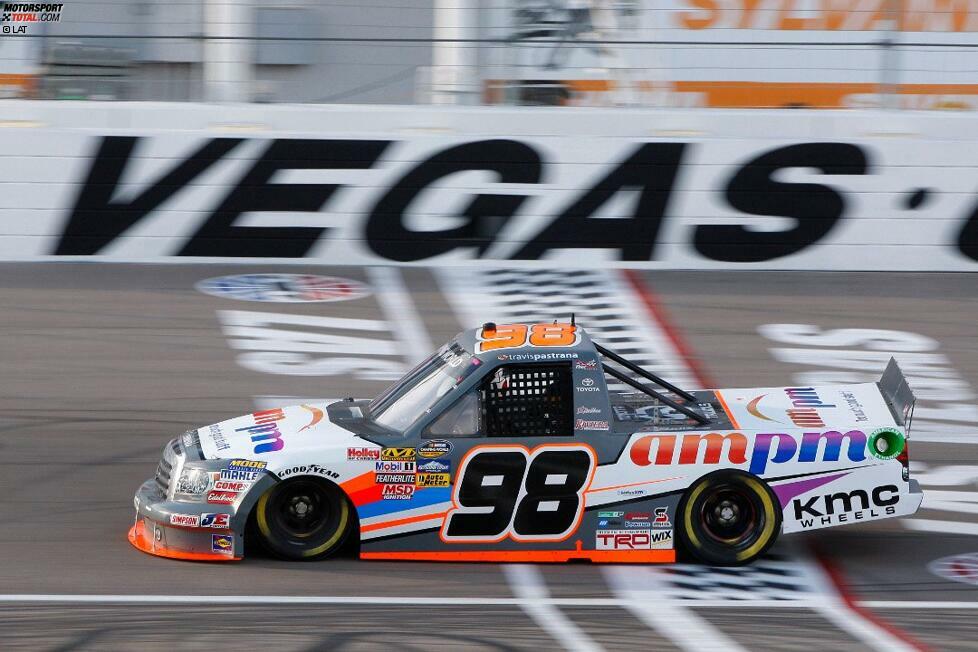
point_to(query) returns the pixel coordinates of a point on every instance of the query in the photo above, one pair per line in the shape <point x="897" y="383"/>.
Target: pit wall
<point x="819" y="190"/>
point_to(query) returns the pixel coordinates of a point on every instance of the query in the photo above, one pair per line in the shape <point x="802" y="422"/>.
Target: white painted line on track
<point x="399" y="310"/>
<point x="449" y="600"/>
<point x="527" y="584"/>
<point x="641" y="590"/>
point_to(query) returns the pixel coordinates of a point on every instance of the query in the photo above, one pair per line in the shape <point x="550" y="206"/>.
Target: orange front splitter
<point x="143" y="540"/>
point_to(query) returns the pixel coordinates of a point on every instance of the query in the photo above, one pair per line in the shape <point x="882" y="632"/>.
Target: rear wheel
<point x="303" y="518"/>
<point x="728" y="518"/>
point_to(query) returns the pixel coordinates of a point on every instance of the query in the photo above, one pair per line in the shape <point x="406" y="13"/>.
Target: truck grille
<point x="164" y="470"/>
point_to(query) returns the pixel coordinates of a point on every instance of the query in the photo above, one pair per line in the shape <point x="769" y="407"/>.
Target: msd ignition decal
<point x="765" y="448"/>
<point x="265" y="434"/>
<point x="284" y="288"/>
<point x="397" y="492"/>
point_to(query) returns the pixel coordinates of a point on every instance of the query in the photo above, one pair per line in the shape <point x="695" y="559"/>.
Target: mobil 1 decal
<point x="381" y="203"/>
<point x="511" y="491"/>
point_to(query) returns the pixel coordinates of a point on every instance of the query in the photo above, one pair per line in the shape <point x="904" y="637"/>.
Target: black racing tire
<point x="303" y="518"/>
<point x="728" y="518"/>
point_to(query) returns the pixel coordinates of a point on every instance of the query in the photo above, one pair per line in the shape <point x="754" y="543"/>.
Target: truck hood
<point x="810" y="408"/>
<point x="276" y="433"/>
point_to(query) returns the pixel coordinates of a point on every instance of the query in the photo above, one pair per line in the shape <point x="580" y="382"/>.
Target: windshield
<point x="413" y="396"/>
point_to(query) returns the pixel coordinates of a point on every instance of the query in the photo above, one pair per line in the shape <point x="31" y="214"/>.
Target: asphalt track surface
<point x="104" y="363"/>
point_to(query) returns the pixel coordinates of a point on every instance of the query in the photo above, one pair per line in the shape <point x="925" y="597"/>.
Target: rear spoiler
<point x="897" y="393"/>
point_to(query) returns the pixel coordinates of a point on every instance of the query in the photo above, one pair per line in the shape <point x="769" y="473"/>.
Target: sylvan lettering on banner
<point x="774" y="448"/>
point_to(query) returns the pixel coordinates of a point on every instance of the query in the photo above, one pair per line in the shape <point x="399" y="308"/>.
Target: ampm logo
<point x="805" y="401"/>
<point x="266" y="431"/>
<point x="768" y="448"/>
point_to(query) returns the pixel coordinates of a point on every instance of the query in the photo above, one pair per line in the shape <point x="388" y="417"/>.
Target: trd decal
<point x="526" y="495"/>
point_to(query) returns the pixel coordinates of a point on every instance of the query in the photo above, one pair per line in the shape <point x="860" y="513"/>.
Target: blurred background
<point x="630" y="161"/>
<point x="907" y="54"/>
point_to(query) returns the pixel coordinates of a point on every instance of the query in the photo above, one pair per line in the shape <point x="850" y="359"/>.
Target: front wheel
<point x="303" y="518"/>
<point x="728" y="518"/>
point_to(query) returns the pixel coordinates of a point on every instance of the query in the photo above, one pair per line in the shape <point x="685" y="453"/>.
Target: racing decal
<point x="765" y="448"/>
<point x="433" y="480"/>
<point x="309" y="469"/>
<point x="185" y="520"/>
<point x="231" y="485"/>
<point x="398" y="491"/>
<point x="243" y="470"/>
<point x="842" y="497"/>
<point x="362" y="454"/>
<point x="215" y="520"/>
<point x="265" y="433"/>
<point x="395" y="467"/>
<point x="284" y="288"/>
<point x="222" y="544"/>
<point x="221" y="497"/>
<point x="633" y="539"/>
<point x="394" y="454"/>
<point x="843" y="506"/>
<point x="435" y="466"/>
<point x="435" y="448"/>
<point x="514" y="336"/>
<point x="527" y="495"/>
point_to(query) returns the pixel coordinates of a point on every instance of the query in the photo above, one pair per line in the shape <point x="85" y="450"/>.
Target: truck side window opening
<point x="528" y="400"/>
<point x="460" y="420"/>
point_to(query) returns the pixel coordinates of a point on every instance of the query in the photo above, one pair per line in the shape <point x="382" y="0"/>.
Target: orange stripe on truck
<point x="536" y="556"/>
<point x="402" y="521"/>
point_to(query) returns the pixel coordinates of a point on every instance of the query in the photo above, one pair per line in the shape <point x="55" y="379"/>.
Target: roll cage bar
<point x="648" y="389"/>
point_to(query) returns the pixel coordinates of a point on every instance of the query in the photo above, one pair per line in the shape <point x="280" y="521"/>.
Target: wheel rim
<point x="301" y="510"/>
<point x="730" y="516"/>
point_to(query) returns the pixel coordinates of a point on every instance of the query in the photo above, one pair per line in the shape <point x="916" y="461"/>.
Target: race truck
<point x="531" y="442"/>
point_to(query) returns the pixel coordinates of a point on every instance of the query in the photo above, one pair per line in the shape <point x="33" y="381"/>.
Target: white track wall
<point x="425" y="185"/>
